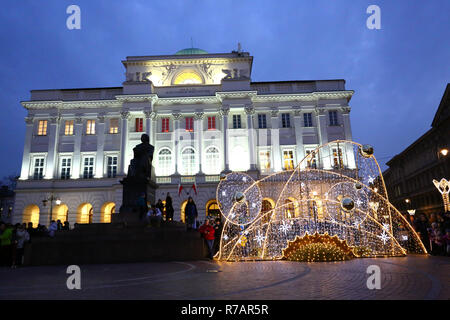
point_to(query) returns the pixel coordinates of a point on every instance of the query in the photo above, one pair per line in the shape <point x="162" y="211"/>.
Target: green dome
<point x="189" y="51"/>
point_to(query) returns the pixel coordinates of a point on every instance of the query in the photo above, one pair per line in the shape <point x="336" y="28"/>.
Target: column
<point x="176" y="128"/>
<point x="198" y="136"/>
<point x="99" y="161"/>
<point x="224" y="111"/>
<point x="52" y="148"/>
<point x="299" y="135"/>
<point x="78" y="130"/>
<point x="325" y="159"/>
<point x="25" y="172"/>
<point x="350" y="157"/>
<point x="250" y="111"/>
<point x="123" y="141"/>
<point x="149" y="115"/>
<point x="275" y="141"/>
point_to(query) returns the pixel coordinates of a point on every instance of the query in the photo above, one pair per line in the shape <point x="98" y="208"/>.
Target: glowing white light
<point x="259" y="237"/>
<point x="284" y="227"/>
<point x="384" y="237"/>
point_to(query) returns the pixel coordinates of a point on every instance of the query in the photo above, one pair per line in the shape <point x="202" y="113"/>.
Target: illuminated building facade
<point x="204" y="116"/>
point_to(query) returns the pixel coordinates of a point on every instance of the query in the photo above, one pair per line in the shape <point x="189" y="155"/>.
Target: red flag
<point x="194" y="186"/>
<point x="180" y="187"/>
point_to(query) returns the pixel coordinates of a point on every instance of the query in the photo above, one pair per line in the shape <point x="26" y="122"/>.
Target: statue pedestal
<point x="133" y="187"/>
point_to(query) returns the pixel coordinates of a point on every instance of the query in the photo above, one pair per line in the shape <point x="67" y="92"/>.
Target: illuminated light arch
<point x="187" y="77"/>
<point x="372" y="230"/>
<point x="85" y="213"/>
<point x="107" y="210"/>
<point x="60" y="212"/>
<point x="31" y="214"/>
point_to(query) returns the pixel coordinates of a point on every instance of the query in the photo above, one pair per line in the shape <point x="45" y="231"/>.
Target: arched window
<point x="85" y="213"/>
<point x="164" y="162"/>
<point x="182" y="213"/>
<point x="107" y="210"/>
<point x="188" y="161"/>
<point x="212" y="161"/>
<point x="212" y="209"/>
<point x="60" y="212"/>
<point x="31" y="214"/>
<point x="188" y="77"/>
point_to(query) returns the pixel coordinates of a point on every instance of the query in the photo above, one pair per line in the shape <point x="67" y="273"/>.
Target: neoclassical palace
<point x="204" y="116"/>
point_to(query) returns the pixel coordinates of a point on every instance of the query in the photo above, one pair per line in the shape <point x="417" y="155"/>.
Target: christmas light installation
<point x="444" y="188"/>
<point x="341" y="195"/>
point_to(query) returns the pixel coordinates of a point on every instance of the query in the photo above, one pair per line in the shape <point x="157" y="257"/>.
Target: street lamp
<point x="51" y="198"/>
<point x="444" y="151"/>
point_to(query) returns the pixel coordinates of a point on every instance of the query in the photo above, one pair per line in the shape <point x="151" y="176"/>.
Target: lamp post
<point x="51" y="198"/>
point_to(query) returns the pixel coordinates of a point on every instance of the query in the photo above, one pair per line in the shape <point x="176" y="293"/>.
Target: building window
<point x="311" y="159"/>
<point x="307" y="120"/>
<point x="38" y="169"/>
<point x="139" y="124"/>
<point x="337" y="158"/>
<point x="90" y="127"/>
<point x="88" y="167"/>
<point x="188" y="161"/>
<point x="190" y="124"/>
<point x="165" y="125"/>
<point x="264" y="160"/>
<point x="285" y="120"/>
<point x="111" y="166"/>
<point x="237" y="121"/>
<point x="42" y="128"/>
<point x="114" y="125"/>
<point x="66" y="163"/>
<point x="68" y="128"/>
<point x="211" y="123"/>
<point x="288" y="159"/>
<point x="333" y="118"/>
<point x="262" y="122"/>
<point x="212" y="157"/>
<point x="165" y="162"/>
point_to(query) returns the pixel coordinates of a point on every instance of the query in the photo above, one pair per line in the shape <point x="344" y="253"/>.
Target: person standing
<point x="169" y="208"/>
<point x="142" y="205"/>
<point x="207" y="232"/>
<point x="160" y="206"/>
<point x="6" y="233"/>
<point x="22" y="236"/>
<point x="52" y="228"/>
<point x="217" y="234"/>
<point x="191" y="213"/>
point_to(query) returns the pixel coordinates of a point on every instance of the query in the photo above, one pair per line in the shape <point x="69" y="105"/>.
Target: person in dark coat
<point x="421" y="226"/>
<point x="169" y="208"/>
<point x="191" y="213"/>
<point x="217" y="234"/>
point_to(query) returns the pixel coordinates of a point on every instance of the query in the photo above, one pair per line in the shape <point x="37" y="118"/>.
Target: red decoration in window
<point x="139" y="124"/>
<point x="165" y="125"/>
<point x="190" y="124"/>
<point x="211" y="123"/>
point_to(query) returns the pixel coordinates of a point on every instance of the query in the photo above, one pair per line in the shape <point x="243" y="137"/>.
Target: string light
<point x="336" y="203"/>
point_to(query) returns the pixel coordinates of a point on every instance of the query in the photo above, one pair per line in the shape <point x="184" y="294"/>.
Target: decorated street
<point x="411" y="277"/>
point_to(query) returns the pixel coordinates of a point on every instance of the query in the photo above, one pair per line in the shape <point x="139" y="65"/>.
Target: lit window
<point x="337" y="158"/>
<point x="288" y="159"/>
<point x="38" y="168"/>
<point x="164" y="162"/>
<point x="285" y="120"/>
<point x="88" y="167"/>
<point x="90" y="127"/>
<point x="111" y="164"/>
<point x="211" y="123"/>
<point x="65" y="168"/>
<point x="262" y="121"/>
<point x="139" y="124"/>
<point x="190" y="124"/>
<point x="188" y="161"/>
<point x="42" y="128"/>
<point x="114" y="125"/>
<point x="264" y="160"/>
<point x="212" y="163"/>
<point x="311" y="159"/>
<point x="237" y="121"/>
<point x="307" y="120"/>
<point x="333" y="118"/>
<point x="188" y="78"/>
<point x="68" y="128"/>
<point x="165" y="125"/>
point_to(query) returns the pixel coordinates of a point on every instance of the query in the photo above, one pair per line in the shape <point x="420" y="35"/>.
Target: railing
<point x="212" y="178"/>
<point x="162" y="180"/>
<point x="188" y="179"/>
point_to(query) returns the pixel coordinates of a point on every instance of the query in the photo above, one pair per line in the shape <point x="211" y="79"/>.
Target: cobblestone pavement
<point x="412" y="277"/>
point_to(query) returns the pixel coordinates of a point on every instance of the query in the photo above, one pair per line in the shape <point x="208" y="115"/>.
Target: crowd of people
<point x="434" y="232"/>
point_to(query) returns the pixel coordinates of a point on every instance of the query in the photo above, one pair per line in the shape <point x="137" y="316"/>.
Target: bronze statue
<point x="141" y="165"/>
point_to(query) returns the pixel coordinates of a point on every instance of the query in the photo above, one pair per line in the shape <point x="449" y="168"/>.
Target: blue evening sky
<point x="398" y="73"/>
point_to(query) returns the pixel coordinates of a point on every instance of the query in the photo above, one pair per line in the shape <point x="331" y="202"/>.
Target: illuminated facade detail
<point x="79" y="142"/>
<point x="337" y="204"/>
